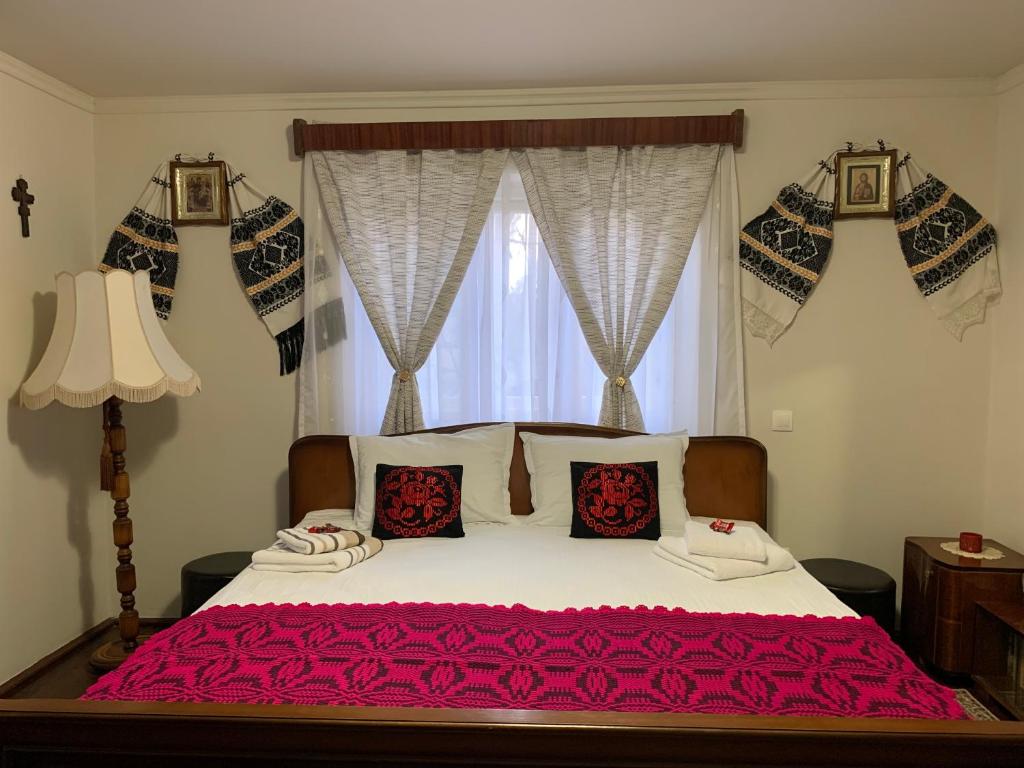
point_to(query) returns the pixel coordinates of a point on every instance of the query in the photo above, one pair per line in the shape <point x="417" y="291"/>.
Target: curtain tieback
<point x="620" y="382"/>
<point x="404" y="376"/>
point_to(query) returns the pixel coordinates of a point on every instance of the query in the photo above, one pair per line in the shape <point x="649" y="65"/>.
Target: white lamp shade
<point x="106" y="342"/>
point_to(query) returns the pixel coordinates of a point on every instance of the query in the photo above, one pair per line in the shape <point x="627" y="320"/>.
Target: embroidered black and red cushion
<point x="615" y="500"/>
<point x="415" y="502"/>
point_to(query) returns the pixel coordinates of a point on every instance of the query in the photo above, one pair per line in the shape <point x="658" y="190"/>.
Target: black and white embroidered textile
<point x="783" y="252"/>
<point x="949" y="248"/>
<point x="146" y="240"/>
<point x="267" y="243"/>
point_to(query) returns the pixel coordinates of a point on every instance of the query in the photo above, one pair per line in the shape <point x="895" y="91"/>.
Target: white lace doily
<point x="988" y="553"/>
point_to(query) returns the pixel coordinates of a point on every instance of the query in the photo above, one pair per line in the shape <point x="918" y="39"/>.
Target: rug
<point x="975" y="709"/>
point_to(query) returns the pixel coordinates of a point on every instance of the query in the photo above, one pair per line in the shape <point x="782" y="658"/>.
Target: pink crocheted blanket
<point x="479" y="656"/>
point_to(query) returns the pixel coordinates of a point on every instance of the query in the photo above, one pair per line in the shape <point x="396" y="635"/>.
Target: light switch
<point x="782" y="421"/>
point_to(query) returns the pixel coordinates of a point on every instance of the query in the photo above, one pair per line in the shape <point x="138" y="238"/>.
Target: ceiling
<point x="197" y="47"/>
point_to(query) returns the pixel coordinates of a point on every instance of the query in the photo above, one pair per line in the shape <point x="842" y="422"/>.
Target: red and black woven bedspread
<point x="477" y="656"/>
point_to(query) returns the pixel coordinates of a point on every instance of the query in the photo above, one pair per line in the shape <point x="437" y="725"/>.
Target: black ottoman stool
<point x="202" y="578"/>
<point x="869" y="591"/>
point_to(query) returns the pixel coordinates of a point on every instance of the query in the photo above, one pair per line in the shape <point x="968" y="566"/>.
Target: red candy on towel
<point x="722" y="526"/>
<point x="328" y="528"/>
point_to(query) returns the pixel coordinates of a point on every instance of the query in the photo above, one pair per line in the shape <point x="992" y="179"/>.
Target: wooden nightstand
<point x="999" y="657"/>
<point x="940" y="590"/>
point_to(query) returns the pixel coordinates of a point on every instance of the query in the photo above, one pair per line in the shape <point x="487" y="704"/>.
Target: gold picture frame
<point x="199" y="193"/>
<point x="865" y="184"/>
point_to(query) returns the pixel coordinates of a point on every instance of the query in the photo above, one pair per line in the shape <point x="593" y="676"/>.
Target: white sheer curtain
<point x="512" y="349"/>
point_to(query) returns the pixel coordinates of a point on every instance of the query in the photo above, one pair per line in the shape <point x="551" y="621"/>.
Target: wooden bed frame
<point x="725" y="476"/>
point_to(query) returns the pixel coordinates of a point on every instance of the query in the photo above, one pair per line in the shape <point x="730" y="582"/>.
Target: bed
<point x="724" y="477"/>
<point x="536" y="566"/>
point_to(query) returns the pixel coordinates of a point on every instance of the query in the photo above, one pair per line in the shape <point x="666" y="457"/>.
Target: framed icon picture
<point x="199" y="193"/>
<point x="865" y="184"/>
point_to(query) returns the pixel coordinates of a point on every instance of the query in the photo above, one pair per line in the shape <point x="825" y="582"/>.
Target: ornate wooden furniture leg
<point x="111" y="654"/>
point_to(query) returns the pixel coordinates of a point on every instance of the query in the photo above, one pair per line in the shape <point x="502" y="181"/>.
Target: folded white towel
<point x="305" y="543"/>
<point x="673" y="549"/>
<point x="744" y="543"/>
<point x="278" y="557"/>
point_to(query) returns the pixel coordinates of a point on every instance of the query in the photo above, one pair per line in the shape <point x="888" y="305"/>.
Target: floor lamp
<point x="107" y="347"/>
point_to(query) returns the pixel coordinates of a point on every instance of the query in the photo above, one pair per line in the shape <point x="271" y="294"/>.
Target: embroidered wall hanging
<point x="948" y="246"/>
<point x="266" y="247"/>
<point x="783" y="252"/>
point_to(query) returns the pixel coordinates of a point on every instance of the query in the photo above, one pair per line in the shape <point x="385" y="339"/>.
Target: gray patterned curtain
<point x="618" y="223"/>
<point x="407" y="224"/>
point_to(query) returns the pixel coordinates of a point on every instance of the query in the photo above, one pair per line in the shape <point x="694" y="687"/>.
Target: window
<point x="512" y="349"/>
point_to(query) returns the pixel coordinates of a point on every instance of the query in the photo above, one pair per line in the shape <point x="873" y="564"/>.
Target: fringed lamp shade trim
<point x="115" y="389"/>
<point x="106" y="342"/>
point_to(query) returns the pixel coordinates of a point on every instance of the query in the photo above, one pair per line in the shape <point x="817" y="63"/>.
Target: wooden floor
<point x="65" y="673"/>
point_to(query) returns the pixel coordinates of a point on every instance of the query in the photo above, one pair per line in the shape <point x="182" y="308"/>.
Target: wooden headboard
<point x="723" y="476"/>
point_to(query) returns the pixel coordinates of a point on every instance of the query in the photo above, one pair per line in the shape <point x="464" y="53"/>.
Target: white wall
<point x="890" y="411"/>
<point x="1004" y="502"/>
<point x="56" y="572"/>
<point x="895" y="425"/>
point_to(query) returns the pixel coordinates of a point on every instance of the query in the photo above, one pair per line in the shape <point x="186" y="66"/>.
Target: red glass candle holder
<point x="970" y="542"/>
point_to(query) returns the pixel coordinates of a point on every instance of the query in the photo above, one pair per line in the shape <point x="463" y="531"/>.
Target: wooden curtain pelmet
<point x="503" y="134"/>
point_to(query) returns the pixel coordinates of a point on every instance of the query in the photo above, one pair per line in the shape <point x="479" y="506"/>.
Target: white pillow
<point x="548" y="458"/>
<point x="485" y="454"/>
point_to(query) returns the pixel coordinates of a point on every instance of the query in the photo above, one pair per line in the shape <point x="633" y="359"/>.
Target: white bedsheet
<point x="540" y="567"/>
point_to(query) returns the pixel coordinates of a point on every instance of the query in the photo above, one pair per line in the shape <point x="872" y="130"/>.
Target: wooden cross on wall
<point x="19" y="193"/>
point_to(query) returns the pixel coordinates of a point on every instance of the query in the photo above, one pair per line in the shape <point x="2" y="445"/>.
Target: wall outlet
<point x="782" y="421"/>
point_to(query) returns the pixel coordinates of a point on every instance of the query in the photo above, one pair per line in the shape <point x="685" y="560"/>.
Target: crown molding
<point x="519" y="98"/>
<point x="549" y="97"/>
<point x="1010" y="79"/>
<point x="19" y="70"/>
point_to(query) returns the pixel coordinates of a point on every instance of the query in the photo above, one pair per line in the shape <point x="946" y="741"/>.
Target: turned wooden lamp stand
<point x="114" y="478"/>
<point x="108" y="347"/>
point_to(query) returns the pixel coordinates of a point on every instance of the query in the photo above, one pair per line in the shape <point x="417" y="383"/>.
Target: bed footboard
<point x="40" y="732"/>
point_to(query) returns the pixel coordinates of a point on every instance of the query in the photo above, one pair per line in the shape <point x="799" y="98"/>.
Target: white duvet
<point x="540" y="567"/>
